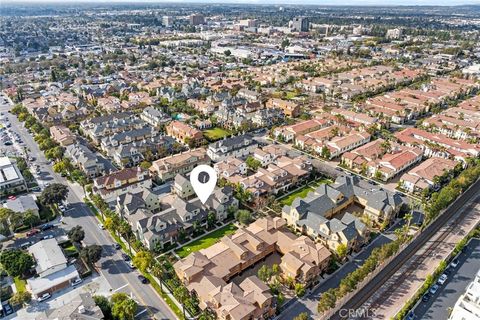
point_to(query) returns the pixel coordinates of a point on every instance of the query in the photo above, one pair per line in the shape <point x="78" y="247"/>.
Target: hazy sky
<point x="318" y="2"/>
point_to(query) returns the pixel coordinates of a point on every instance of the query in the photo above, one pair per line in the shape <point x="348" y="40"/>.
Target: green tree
<point x="181" y="293"/>
<point x="244" y="216"/>
<point x="76" y="234"/>
<point x="30" y="218"/>
<point x="54" y="194"/>
<point x="299" y="290"/>
<point x="325" y="153"/>
<point x="123" y="308"/>
<point x="143" y="260"/>
<point x="16" y="262"/>
<point x="301" y="316"/>
<point x="145" y="165"/>
<point x="327" y="300"/>
<point x="342" y="251"/>
<point x="253" y="163"/>
<point x="21" y="298"/>
<point x="91" y="253"/>
<point x="265" y="273"/>
<point x="211" y="219"/>
<point x="104" y="305"/>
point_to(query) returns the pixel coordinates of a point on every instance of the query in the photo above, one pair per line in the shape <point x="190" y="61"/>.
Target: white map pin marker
<point x="203" y="179"/>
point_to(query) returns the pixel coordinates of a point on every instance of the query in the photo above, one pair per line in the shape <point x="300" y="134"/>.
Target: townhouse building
<point x="425" y="175"/>
<point x="112" y="185"/>
<point x="323" y="213"/>
<point x="85" y="159"/>
<point x="62" y="135"/>
<point x="238" y="146"/>
<point x="184" y="133"/>
<point x="167" y="168"/>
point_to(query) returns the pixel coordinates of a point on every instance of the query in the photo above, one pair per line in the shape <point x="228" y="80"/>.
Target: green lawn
<point x="302" y="192"/>
<point x="215" y="134"/>
<point x="20" y="284"/>
<point x="206" y="241"/>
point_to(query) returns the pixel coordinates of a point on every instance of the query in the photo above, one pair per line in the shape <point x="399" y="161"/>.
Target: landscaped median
<point x="205" y="241"/>
<point x="153" y="281"/>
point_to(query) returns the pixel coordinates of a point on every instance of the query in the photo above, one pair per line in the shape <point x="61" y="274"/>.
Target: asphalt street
<point x="111" y="266"/>
<point x="458" y="280"/>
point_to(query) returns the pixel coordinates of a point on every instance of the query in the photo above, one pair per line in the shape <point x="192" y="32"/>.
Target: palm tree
<point x="157" y="271"/>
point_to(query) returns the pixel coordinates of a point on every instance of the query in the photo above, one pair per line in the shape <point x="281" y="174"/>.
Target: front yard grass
<point x="206" y="241"/>
<point x="20" y="284"/>
<point x="215" y="134"/>
<point x="302" y="192"/>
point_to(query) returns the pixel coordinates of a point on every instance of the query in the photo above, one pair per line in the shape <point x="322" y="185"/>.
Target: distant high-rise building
<point x="300" y="24"/>
<point x="249" y="23"/>
<point x="197" y="19"/>
<point x="167" y="21"/>
<point x="394" y="33"/>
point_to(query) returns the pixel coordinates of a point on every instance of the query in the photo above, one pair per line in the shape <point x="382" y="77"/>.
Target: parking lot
<point x="438" y="305"/>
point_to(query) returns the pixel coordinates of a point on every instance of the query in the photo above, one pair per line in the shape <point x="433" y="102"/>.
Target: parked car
<point x="61" y="208"/>
<point x="426" y="297"/>
<point x="125" y="257"/>
<point x="26" y="245"/>
<point x="143" y="279"/>
<point x="49" y="236"/>
<point x="117" y="246"/>
<point x="131" y="265"/>
<point x="32" y="232"/>
<point x="44" y="297"/>
<point x="410" y="316"/>
<point x="7" y="308"/>
<point x="434" y="289"/>
<point x="454" y="263"/>
<point x="36" y="189"/>
<point x="47" y="226"/>
<point x="442" y="279"/>
<point x="101" y="226"/>
<point x="76" y="282"/>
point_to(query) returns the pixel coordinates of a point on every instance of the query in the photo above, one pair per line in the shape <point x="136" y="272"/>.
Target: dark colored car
<point x="125" y="257"/>
<point x="117" y="246"/>
<point x="47" y="226"/>
<point x="143" y="279"/>
<point x="426" y="297"/>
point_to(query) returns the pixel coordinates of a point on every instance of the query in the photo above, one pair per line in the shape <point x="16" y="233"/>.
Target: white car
<point x="50" y="236"/>
<point x="76" y="282"/>
<point x="442" y="279"/>
<point x="62" y="208"/>
<point x="101" y="226"/>
<point x="454" y="263"/>
<point x="131" y="265"/>
<point x="44" y="297"/>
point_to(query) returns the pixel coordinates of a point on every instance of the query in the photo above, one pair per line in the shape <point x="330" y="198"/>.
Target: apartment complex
<point x="208" y="271"/>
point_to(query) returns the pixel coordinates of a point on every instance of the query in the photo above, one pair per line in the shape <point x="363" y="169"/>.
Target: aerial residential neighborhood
<point x="238" y="161"/>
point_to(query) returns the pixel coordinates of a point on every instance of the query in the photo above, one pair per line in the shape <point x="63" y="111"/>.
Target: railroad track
<point x="380" y="279"/>
<point x="413" y="266"/>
